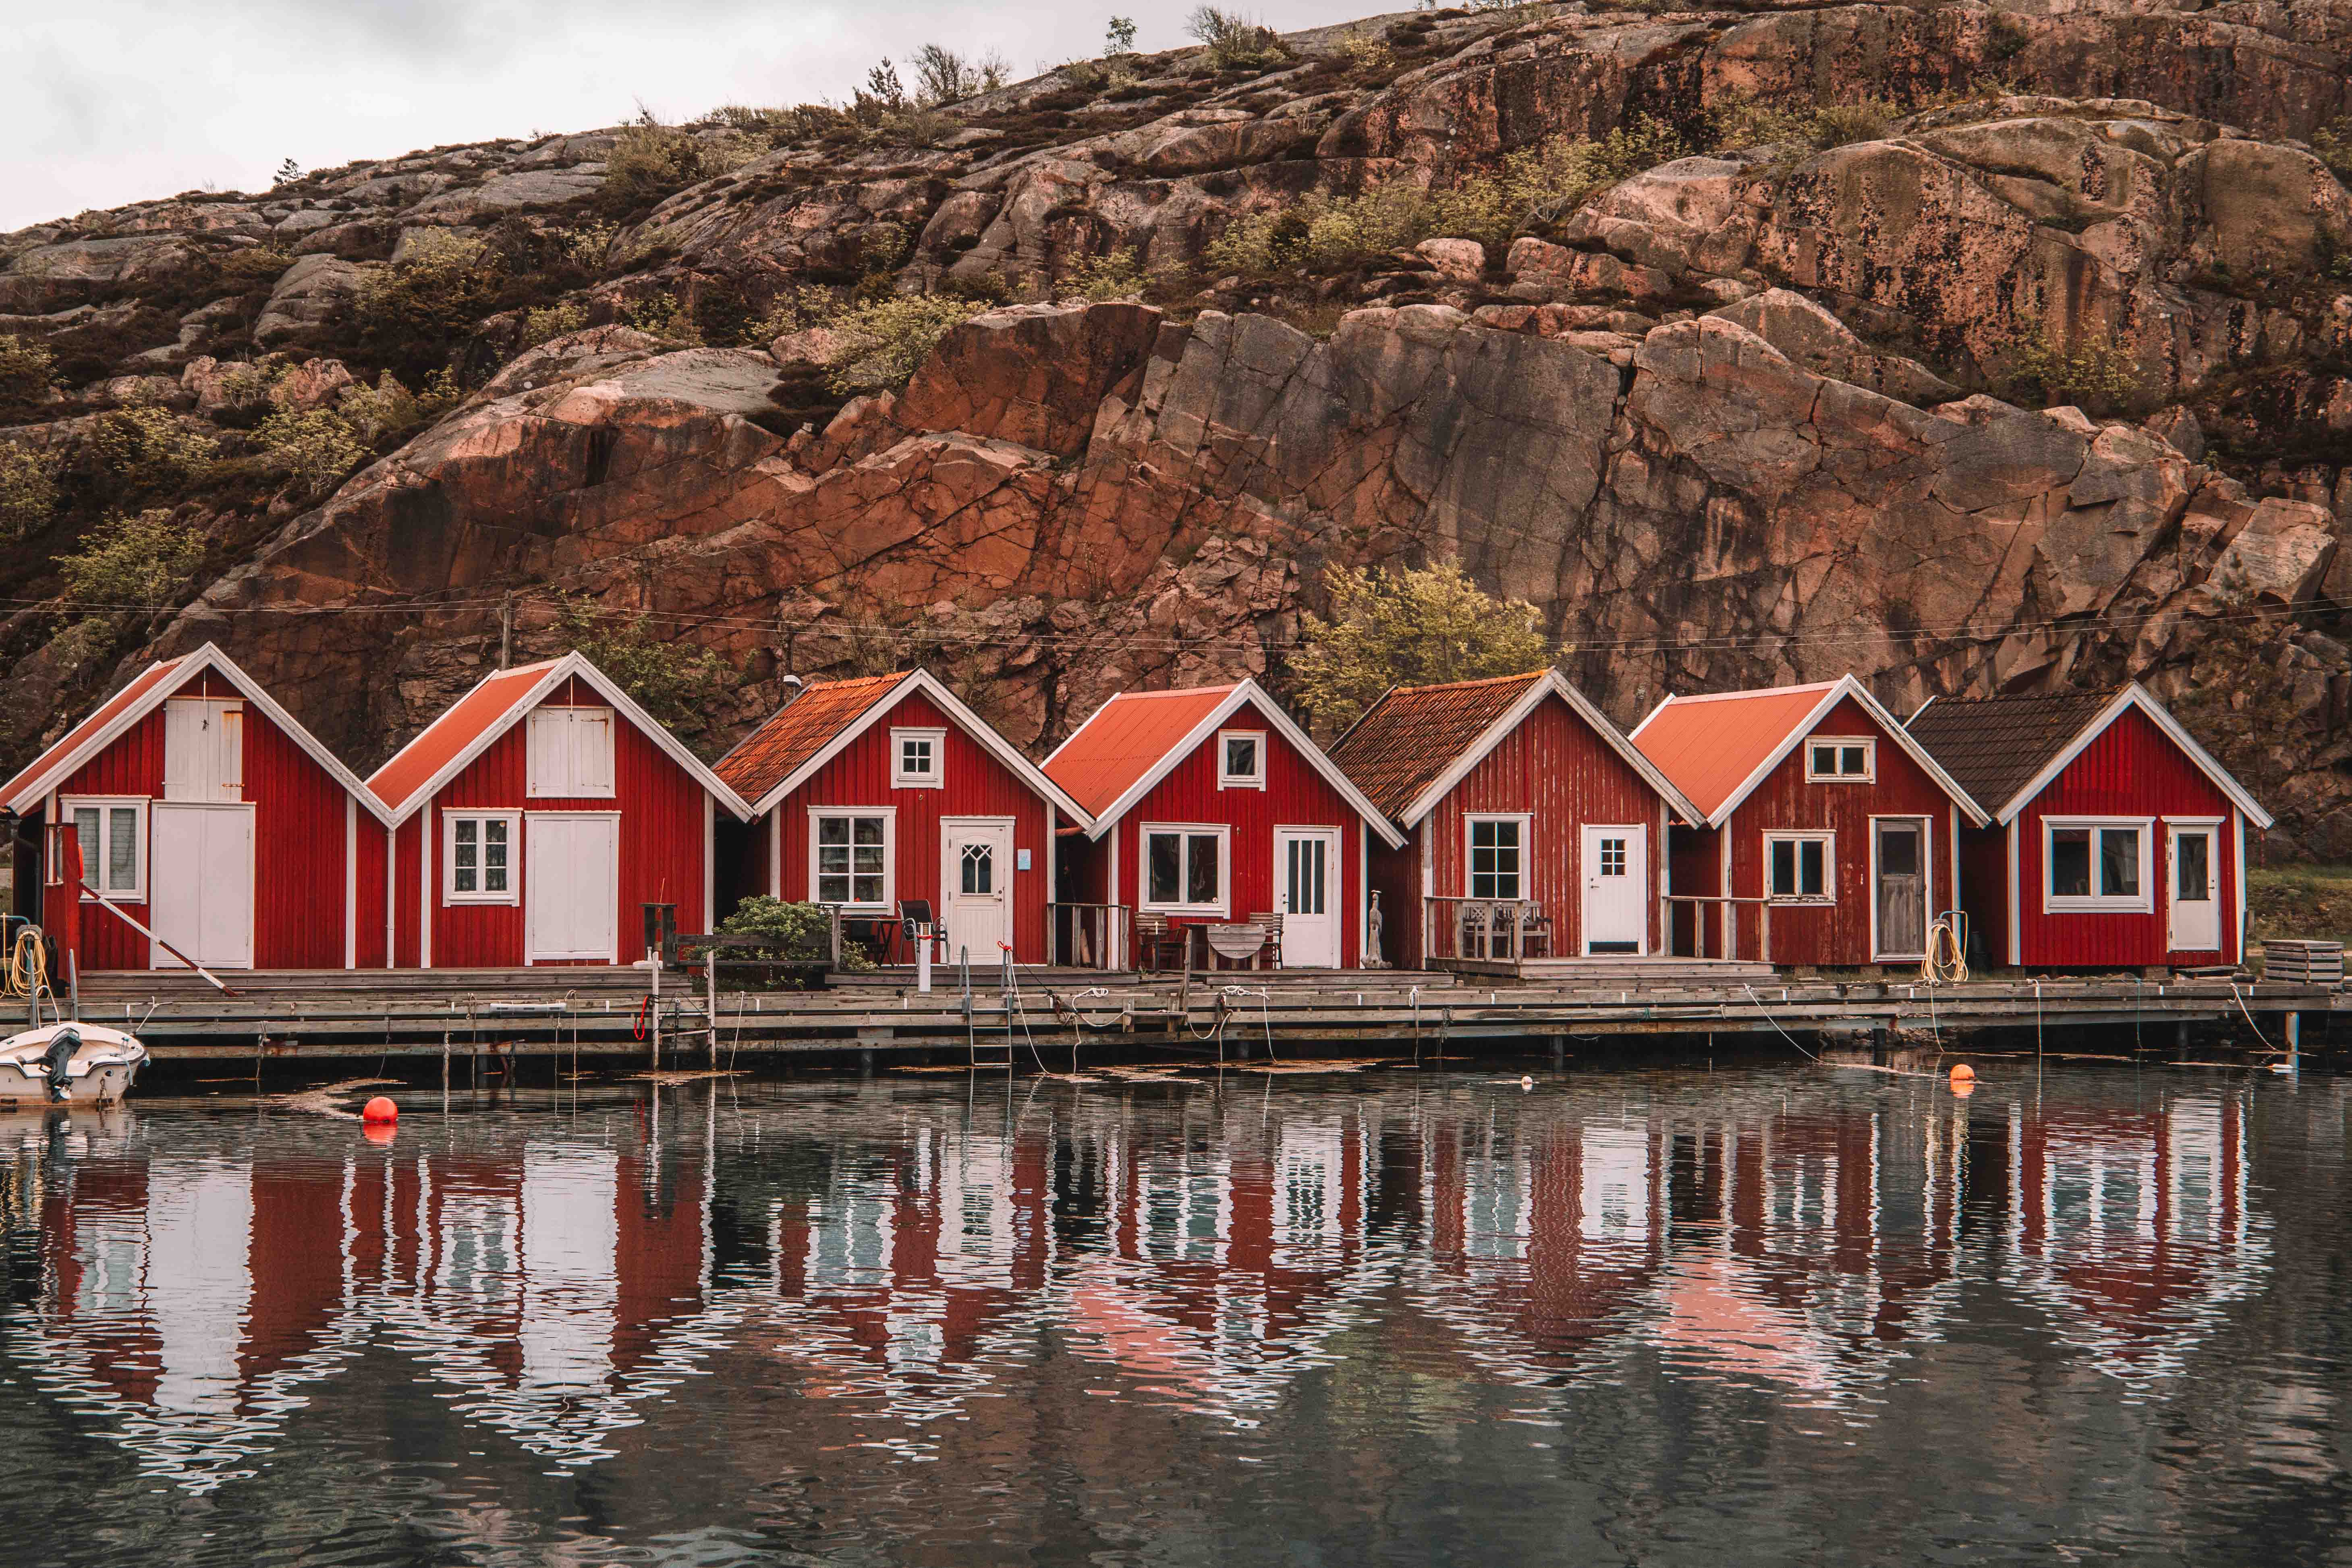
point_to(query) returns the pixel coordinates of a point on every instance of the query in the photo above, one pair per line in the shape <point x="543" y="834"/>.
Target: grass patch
<point x="2307" y="903"/>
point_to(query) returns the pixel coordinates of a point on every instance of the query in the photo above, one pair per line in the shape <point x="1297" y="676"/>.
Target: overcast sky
<point x="107" y="101"/>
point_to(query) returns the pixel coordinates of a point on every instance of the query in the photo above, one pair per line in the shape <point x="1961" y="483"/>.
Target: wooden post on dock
<point x="710" y="993"/>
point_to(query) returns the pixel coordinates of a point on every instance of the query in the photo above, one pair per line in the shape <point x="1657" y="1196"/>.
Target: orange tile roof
<point x="1125" y="739"/>
<point x="472" y="716"/>
<point x="140" y="684"/>
<point x="1416" y="733"/>
<point x="800" y="730"/>
<point x="1709" y="745"/>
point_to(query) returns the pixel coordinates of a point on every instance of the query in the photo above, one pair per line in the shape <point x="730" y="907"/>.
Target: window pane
<point x="868" y="829"/>
<point x="465" y="856"/>
<point x="868" y="859"/>
<point x="1506" y="834"/>
<point x="1857" y="760"/>
<point x="1241" y="758"/>
<point x="2070" y="862"/>
<point x="1784" y="866"/>
<point x="1810" y="858"/>
<point x="1826" y="759"/>
<point x="122" y="849"/>
<point x="1482" y="834"/>
<point x="1200" y="879"/>
<point x="86" y="831"/>
<point x="869" y="888"/>
<point x="494" y="857"/>
<point x="833" y="830"/>
<point x="2119" y="863"/>
<point x="978" y="869"/>
<point x="1898" y="851"/>
<point x="831" y="859"/>
<point x="832" y="889"/>
<point x="2195" y="879"/>
<point x="1161" y="854"/>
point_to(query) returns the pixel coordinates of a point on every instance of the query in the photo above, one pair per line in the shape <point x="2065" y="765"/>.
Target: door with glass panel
<point x="976" y="876"/>
<point x="2195" y="922"/>
<point x="1305" y="870"/>
<point x="1616" y="897"/>
<point x="1902" y="892"/>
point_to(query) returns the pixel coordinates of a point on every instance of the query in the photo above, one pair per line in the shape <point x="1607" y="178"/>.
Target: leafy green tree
<point x="1118" y="38"/>
<point x="677" y="684"/>
<point x="1416" y="626"/>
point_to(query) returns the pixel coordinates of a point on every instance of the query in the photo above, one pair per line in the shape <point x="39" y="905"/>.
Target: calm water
<point x="1767" y="1315"/>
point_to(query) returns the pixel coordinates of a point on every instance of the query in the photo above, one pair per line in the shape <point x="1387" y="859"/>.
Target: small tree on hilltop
<point x="678" y="685"/>
<point x="1408" y="627"/>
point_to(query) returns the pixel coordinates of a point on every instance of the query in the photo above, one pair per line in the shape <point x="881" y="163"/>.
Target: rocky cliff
<point x="1967" y="346"/>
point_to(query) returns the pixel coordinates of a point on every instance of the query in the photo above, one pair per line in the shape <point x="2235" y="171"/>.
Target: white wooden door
<point x="976" y="886"/>
<point x="1305" y="879"/>
<point x="571" y="886"/>
<point x="2194" y="876"/>
<point x="200" y="883"/>
<point x="204" y="749"/>
<point x="1616" y="890"/>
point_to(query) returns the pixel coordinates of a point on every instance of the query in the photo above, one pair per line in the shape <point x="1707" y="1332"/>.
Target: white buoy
<point x="1527" y="1083"/>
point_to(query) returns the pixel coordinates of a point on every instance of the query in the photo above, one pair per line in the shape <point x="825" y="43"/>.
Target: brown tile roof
<point x="1994" y="745"/>
<point x="1416" y="733"/>
<point x="804" y="727"/>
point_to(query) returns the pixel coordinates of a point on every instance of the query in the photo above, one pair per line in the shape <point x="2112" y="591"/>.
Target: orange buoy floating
<point x="380" y="1131"/>
<point x="380" y="1110"/>
<point x="1962" y="1073"/>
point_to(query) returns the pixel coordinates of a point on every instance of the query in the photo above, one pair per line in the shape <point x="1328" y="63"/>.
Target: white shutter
<point x="591" y="750"/>
<point x="184" y="762"/>
<point x="551" y="757"/>
<point x="228" y="740"/>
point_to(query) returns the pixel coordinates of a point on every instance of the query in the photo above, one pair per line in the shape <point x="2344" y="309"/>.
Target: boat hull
<point x="100" y="1071"/>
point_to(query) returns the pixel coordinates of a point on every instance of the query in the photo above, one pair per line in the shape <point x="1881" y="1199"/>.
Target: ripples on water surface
<point x="1758" y="1316"/>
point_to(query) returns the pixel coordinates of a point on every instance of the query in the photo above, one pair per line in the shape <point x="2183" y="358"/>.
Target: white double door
<point x="976" y="886"/>
<point x="1306" y="880"/>
<point x="1616" y="902"/>
<point x="201" y="884"/>
<point x="571" y="886"/>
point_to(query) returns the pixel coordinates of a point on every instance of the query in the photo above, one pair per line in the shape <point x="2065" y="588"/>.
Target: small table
<point x="1236" y="941"/>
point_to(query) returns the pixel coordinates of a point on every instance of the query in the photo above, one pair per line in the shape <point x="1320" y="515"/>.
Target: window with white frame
<point x="1498" y="846"/>
<point x="1241" y="759"/>
<point x="112" y="831"/>
<point x="1800" y="866"/>
<point x="1841" y="759"/>
<point x="479" y="857"/>
<point x="1184" y="869"/>
<point x="850" y="857"/>
<point x="2097" y="863"/>
<point x="570" y="753"/>
<point x="917" y="757"/>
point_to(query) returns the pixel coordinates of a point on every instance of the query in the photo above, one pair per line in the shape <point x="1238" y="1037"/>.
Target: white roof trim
<point x="2137" y="696"/>
<point x="1844" y="687"/>
<point x="558" y="671"/>
<point x="971" y="723"/>
<point x="1245" y="692"/>
<point x="1551" y="682"/>
<point x="185" y="668"/>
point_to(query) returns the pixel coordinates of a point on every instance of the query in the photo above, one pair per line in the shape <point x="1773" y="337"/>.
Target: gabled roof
<point x="813" y="727"/>
<point x="146" y="691"/>
<point x="1418" y="742"/>
<point x="1136" y="739"/>
<point x="1719" y="746"/>
<point x="497" y="703"/>
<point x="2007" y="750"/>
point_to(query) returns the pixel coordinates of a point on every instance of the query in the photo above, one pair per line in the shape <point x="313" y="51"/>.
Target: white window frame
<point x="95" y="876"/>
<point x="2094" y="902"/>
<point x="1470" y="822"/>
<point x="1827" y="839"/>
<point x="900" y="777"/>
<point x="538" y="789"/>
<point x="890" y="816"/>
<point x="451" y="896"/>
<point x="1224" y="834"/>
<point x="1229" y="780"/>
<point x="1869" y="745"/>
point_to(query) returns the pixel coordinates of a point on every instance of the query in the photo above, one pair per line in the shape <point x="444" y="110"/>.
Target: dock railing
<point x="1726" y="926"/>
<point x="1086" y="936"/>
<point x="1486" y="929"/>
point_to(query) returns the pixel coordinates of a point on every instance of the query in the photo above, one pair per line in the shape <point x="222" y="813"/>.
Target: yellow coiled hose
<point x="1947" y="962"/>
<point x="27" y="972"/>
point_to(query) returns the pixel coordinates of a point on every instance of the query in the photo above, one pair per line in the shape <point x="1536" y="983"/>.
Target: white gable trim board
<point x="1844" y="687"/>
<point x="2136" y="696"/>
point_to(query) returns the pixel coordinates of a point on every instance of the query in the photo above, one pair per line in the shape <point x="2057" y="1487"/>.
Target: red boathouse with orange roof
<point x="212" y="829"/>
<point x="1819" y="815"/>
<point x="2117" y="840"/>
<point x="1528" y="817"/>
<point x="875" y="793"/>
<point x="533" y="820"/>
<point x="1211" y="806"/>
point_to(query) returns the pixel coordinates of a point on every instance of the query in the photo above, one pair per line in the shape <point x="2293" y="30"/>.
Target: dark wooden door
<point x="1902" y="890"/>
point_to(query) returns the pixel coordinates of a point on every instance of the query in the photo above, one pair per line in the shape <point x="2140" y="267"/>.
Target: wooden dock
<point x="1065" y="1016"/>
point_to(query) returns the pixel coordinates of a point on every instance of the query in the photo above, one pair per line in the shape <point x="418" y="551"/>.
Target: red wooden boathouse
<point x="1524" y="810"/>
<point x="2116" y="841"/>
<point x="1816" y="799"/>
<point x="1208" y="806"/>
<point x="868" y="794"/>
<point x="535" y="818"/>
<point x="206" y="813"/>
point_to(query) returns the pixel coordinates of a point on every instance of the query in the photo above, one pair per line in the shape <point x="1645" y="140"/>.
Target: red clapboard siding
<point x="133" y="764"/>
<point x="1295" y="795"/>
<point x="1984" y="889"/>
<point x="2132" y="768"/>
<point x="368" y="951"/>
<point x="662" y="810"/>
<point x="1839" y="933"/>
<point x="1555" y="767"/>
<point x="973" y="783"/>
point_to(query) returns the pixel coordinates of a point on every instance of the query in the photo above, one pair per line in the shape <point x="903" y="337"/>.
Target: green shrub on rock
<point x="131" y="562"/>
<point x="26" y="369"/>
<point x="315" y="448"/>
<point x="146" y="450"/>
<point x="28" y="490"/>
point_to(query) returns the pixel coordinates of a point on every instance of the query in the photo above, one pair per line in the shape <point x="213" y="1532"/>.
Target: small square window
<point x="917" y="758"/>
<point x="1798" y="865"/>
<point x="477" y="858"/>
<point x="1840" y="759"/>
<point x="1241" y="759"/>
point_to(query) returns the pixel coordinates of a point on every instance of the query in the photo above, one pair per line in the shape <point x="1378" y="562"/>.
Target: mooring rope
<point x="1776" y="1023"/>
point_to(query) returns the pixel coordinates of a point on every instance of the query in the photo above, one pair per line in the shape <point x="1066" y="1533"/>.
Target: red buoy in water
<point x="380" y="1131"/>
<point x="380" y="1110"/>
